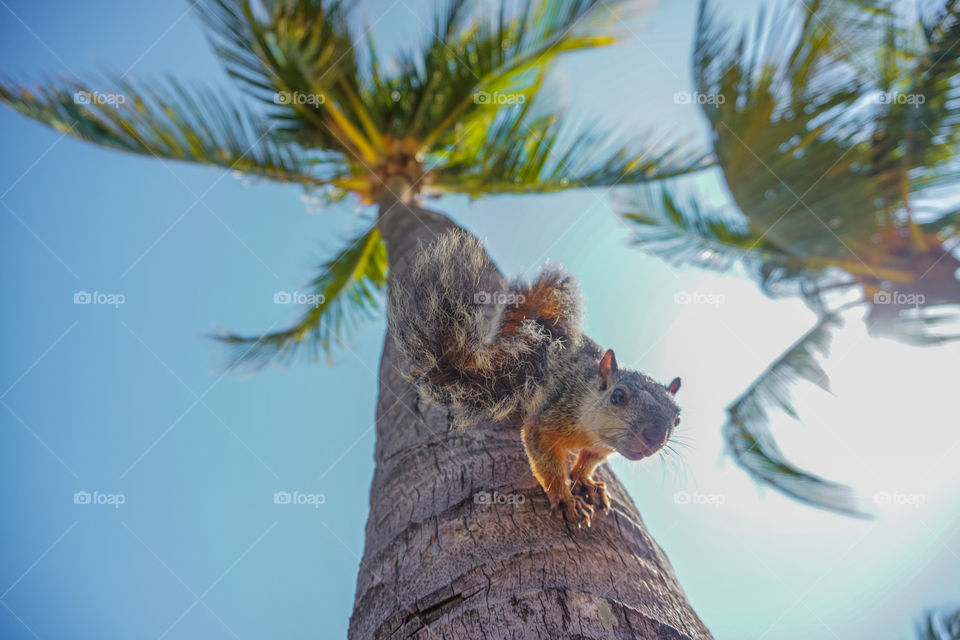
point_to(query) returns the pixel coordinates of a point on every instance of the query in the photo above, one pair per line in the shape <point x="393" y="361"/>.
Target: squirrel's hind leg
<point x="548" y="461"/>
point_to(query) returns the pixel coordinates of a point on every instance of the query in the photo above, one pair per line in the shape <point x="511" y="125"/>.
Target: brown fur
<point x="544" y="302"/>
<point x="494" y="351"/>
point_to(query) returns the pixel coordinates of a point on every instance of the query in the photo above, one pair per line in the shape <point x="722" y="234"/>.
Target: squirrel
<point x="498" y="351"/>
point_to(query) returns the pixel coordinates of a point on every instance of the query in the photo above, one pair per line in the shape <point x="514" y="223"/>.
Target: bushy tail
<point x="468" y="338"/>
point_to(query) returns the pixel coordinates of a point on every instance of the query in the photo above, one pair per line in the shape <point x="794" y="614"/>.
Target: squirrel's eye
<point x="618" y="397"/>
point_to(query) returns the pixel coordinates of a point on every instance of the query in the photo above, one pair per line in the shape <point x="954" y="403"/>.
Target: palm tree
<point x="456" y="114"/>
<point x="833" y="128"/>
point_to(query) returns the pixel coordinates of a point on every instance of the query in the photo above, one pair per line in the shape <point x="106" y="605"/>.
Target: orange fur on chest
<point x="569" y="440"/>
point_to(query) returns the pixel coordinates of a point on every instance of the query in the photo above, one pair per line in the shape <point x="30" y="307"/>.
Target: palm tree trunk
<point x="439" y="564"/>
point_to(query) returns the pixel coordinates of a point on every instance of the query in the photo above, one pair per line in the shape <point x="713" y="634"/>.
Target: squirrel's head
<point x="633" y="413"/>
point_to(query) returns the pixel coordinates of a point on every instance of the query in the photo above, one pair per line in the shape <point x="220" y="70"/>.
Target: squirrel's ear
<point x="608" y="366"/>
<point x="674" y="386"/>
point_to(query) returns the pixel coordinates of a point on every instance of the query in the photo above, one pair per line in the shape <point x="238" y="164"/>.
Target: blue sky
<point x="132" y="400"/>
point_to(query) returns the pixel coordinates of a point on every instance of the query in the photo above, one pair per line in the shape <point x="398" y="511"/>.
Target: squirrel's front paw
<point x="573" y="509"/>
<point x="594" y="492"/>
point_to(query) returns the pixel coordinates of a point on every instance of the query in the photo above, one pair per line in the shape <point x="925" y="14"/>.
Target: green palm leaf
<point x="450" y="99"/>
<point x="546" y="154"/>
<point x="685" y="231"/>
<point x="917" y="131"/>
<point x="946" y="223"/>
<point x="832" y="120"/>
<point x="346" y="291"/>
<point x="939" y="625"/>
<point x="779" y="117"/>
<point x="748" y="435"/>
<point x="474" y="59"/>
<point x="302" y="46"/>
<point x="917" y="325"/>
<point x="168" y="121"/>
<point x="298" y="57"/>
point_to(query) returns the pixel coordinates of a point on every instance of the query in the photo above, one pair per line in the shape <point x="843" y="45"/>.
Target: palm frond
<point x="918" y="127"/>
<point x="473" y="59"/>
<point x="831" y="119"/>
<point x="747" y="431"/>
<point x="914" y="324"/>
<point x="687" y="231"/>
<point x="447" y="98"/>
<point x="542" y="155"/>
<point x="946" y="223"/>
<point x="297" y="56"/>
<point x="346" y="291"/>
<point x="943" y="624"/>
<point x="781" y="108"/>
<point x="169" y="121"/>
<point x="822" y="153"/>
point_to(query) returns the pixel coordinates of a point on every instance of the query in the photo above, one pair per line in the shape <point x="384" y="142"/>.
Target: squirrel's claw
<point x="594" y="493"/>
<point x="574" y="509"/>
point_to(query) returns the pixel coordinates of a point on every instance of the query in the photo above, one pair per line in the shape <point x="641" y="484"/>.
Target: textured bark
<point x="438" y="564"/>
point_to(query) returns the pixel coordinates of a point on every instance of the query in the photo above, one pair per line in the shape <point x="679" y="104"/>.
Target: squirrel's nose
<point x="655" y="436"/>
